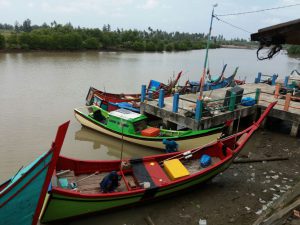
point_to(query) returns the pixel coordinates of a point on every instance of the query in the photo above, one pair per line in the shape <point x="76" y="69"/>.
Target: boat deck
<point x="142" y="172"/>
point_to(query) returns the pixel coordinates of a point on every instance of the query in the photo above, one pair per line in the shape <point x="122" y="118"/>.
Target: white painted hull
<point x="184" y="144"/>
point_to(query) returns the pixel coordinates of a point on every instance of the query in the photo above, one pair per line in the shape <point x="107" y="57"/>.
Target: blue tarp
<point x="248" y="101"/>
<point x="154" y="85"/>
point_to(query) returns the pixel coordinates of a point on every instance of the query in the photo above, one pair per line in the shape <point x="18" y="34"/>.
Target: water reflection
<point x="113" y="145"/>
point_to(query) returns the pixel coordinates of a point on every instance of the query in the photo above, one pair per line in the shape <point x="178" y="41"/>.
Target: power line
<point x="261" y="10"/>
<point x="230" y="24"/>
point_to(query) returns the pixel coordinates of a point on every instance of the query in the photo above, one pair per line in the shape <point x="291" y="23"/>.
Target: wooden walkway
<point x="187" y="104"/>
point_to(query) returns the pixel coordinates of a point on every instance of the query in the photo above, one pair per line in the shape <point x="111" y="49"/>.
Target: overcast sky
<point x="169" y="15"/>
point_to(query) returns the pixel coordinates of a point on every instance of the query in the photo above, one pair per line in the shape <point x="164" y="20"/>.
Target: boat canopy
<point x="127" y="115"/>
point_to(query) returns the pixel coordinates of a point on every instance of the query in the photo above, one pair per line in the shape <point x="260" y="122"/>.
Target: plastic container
<point x="205" y="161"/>
<point x="248" y="101"/>
<point x="151" y="132"/>
<point x="202" y="222"/>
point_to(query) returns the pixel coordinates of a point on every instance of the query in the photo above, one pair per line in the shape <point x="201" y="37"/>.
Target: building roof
<point x="284" y="33"/>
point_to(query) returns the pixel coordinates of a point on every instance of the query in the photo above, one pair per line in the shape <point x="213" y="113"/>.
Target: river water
<point x="39" y="90"/>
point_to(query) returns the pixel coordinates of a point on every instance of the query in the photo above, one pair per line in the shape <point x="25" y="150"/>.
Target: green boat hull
<point x="60" y="207"/>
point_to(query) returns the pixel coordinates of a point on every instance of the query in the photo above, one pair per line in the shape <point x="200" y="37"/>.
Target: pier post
<point x="232" y="101"/>
<point x="199" y="106"/>
<point x="274" y="77"/>
<point x="230" y="128"/>
<point x="258" y="78"/>
<point x="257" y="94"/>
<point x="277" y="89"/>
<point x="161" y="98"/>
<point x="286" y="81"/>
<point x="194" y="89"/>
<point x="150" y="95"/>
<point x="143" y="93"/>
<point x="175" y="102"/>
<point x="288" y="97"/>
<point x="294" y="130"/>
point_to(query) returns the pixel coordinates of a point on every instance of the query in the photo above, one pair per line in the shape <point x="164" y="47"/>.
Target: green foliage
<point x="12" y="41"/>
<point x="91" y="43"/>
<point x="293" y="50"/>
<point x="27" y="25"/>
<point x="66" y="37"/>
<point x="138" y="46"/>
<point x="150" y="46"/>
<point x="170" y="47"/>
<point x="2" y="41"/>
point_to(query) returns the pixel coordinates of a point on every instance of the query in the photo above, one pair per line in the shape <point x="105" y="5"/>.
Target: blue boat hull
<point x="22" y="196"/>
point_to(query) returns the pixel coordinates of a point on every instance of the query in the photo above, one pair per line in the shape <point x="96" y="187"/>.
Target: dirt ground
<point x="237" y="196"/>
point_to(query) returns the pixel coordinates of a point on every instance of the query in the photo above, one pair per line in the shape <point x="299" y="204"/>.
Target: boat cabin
<point x="127" y="120"/>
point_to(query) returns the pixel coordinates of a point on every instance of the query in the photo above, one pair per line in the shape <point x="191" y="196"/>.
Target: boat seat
<point x="149" y="171"/>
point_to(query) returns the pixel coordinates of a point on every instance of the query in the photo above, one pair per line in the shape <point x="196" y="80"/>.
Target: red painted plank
<point x="157" y="174"/>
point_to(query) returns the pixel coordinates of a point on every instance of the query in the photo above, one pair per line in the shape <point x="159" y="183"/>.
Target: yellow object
<point x="175" y="169"/>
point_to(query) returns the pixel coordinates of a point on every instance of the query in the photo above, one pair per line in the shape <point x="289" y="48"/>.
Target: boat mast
<point x="202" y="79"/>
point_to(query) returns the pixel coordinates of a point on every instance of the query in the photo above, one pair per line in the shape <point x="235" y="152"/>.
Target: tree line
<point x="293" y="50"/>
<point x="67" y="37"/>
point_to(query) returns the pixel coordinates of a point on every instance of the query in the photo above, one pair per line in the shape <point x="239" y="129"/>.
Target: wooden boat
<point x="142" y="179"/>
<point x="132" y="127"/>
<point x="153" y="86"/>
<point x="111" y="106"/>
<point x="22" y="196"/>
<point x="216" y="84"/>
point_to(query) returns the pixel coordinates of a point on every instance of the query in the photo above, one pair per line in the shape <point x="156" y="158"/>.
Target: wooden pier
<point x="187" y="116"/>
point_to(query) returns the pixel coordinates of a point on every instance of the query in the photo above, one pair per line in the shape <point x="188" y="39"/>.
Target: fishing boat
<point x="153" y="86"/>
<point x="141" y="180"/>
<point x="132" y="127"/>
<point x="218" y="83"/>
<point x="111" y="106"/>
<point x="22" y="196"/>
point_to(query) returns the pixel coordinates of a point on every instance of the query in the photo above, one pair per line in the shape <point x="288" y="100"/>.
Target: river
<point x="39" y="90"/>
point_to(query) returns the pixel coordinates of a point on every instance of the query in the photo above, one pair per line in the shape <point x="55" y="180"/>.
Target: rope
<point x="230" y="24"/>
<point x="296" y="71"/>
<point x="261" y="10"/>
<point x="272" y="51"/>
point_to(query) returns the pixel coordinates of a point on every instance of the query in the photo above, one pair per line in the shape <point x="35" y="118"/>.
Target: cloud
<point x="150" y="4"/>
<point x="4" y="3"/>
<point x="30" y="4"/>
<point x="99" y="7"/>
<point x="289" y="2"/>
<point x="272" y="21"/>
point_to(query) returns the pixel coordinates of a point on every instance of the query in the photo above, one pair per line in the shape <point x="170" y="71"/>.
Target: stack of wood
<point x="287" y="207"/>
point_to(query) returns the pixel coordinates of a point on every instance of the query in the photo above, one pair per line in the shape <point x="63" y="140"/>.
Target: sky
<point x="191" y="16"/>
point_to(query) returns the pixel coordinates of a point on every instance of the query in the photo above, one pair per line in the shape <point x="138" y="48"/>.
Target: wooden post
<point x="286" y="81"/>
<point x="161" y="98"/>
<point x="257" y="95"/>
<point x="288" y="97"/>
<point x="258" y="79"/>
<point x="150" y="95"/>
<point x="199" y="106"/>
<point x="194" y="89"/>
<point x="175" y="102"/>
<point x="232" y="101"/>
<point x="294" y="130"/>
<point x="274" y="77"/>
<point x="230" y="128"/>
<point x="277" y="89"/>
<point x="143" y="93"/>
